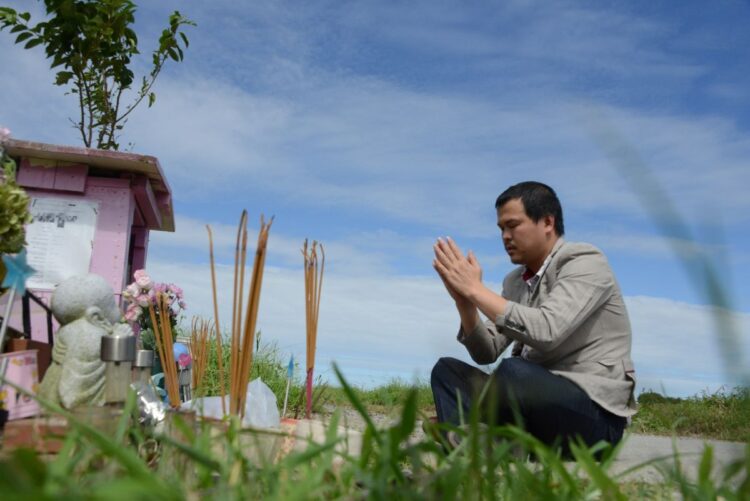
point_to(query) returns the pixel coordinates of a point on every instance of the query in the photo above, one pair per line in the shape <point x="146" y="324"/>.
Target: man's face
<point x="525" y="241"/>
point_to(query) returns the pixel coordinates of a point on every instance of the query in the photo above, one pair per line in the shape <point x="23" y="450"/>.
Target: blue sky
<point x="376" y="127"/>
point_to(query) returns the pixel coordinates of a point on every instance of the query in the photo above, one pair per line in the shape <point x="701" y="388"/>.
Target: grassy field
<point x="195" y="460"/>
<point x="724" y="415"/>
<point x="190" y="460"/>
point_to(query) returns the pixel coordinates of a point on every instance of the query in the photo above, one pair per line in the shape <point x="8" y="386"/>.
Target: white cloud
<point x="623" y="239"/>
<point x="343" y="256"/>
<point x="428" y="159"/>
<point x="30" y="105"/>
<point x="682" y="345"/>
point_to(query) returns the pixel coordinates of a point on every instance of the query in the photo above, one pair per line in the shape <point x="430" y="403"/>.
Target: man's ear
<point x="549" y="222"/>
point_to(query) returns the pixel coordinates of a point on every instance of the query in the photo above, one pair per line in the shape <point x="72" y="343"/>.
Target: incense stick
<point x="313" y="288"/>
<point x="174" y="396"/>
<point x="199" y="337"/>
<point x="251" y="313"/>
<point x="239" y="269"/>
<point x="165" y="345"/>
<point x="243" y="333"/>
<point x="219" y="340"/>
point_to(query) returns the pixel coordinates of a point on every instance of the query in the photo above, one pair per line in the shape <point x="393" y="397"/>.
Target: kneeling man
<point x="570" y="374"/>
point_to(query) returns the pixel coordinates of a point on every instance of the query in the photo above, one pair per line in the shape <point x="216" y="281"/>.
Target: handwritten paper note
<point x="60" y="239"/>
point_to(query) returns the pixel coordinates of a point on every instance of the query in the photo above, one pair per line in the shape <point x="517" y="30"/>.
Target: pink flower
<point x="176" y="291"/>
<point x="160" y="288"/>
<point x="144" y="283"/>
<point x="142" y="279"/>
<point x="4" y="133"/>
<point x="132" y="313"/>
<point x="182" y="305"/>
<point x="143" y="300"/>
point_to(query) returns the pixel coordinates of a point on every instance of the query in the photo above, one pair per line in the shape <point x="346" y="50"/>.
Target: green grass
<point x="721" y="415"/>
<point x="385" y="399"/>
<point x="189" y="460"/>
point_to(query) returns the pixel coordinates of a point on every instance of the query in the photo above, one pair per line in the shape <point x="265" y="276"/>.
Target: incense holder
<point x="299" y="434"/>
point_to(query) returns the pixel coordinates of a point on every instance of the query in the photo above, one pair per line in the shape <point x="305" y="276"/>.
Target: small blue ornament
<point x="180" y="349"/>
<point x="18" y="271"/>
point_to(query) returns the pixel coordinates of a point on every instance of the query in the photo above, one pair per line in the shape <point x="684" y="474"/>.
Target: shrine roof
<point x="104" y="160"/>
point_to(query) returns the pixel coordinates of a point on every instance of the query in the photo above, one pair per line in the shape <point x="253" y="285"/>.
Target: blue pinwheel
<point x="17" y="272"/>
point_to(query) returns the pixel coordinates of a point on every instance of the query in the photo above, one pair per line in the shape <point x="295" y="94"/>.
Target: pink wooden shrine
<point x="131" y="193"/>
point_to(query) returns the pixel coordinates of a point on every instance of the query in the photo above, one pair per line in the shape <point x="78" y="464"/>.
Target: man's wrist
<point x="488" y="302"/>
<point x="463" y="302"/>
<point x="474" y="294"/>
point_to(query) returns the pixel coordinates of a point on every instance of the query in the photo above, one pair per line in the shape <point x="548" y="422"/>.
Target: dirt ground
<point x="350" y="418"/>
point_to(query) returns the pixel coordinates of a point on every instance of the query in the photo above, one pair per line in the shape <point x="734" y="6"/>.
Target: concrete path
<point x="639" y="449"/>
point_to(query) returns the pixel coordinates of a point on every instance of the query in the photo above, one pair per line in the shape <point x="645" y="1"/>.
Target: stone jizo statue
<point x="86" y="309"/>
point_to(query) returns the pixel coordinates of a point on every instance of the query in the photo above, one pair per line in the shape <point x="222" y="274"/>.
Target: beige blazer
<point x="573" y="323"/>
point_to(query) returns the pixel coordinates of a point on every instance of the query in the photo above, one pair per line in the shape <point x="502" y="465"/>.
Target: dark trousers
<point x="549" y="407"/>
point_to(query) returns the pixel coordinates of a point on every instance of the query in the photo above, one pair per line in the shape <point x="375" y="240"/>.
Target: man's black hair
<point x="538" y="200"/>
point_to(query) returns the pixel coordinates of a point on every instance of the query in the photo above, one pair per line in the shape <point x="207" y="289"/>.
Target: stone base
<point x="42" y="434"/>
<point x="299" y="434"/>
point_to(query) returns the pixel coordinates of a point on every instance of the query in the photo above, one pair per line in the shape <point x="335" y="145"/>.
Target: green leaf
<point x="17" y="28"/>
<point x="193" y="453"/>
<point x="356" y="402"/>
<point x="23" y="36"/>
<point x="151" y="99"/>
<point x="173" y="54"/>
<point x="25" y="16"/>
<point x="8" y="16"/>
<point x="63" y="77"/>
<point x="706" y="465"/>
<point x="584" y="457"/>
<point x="408" y="416"/>
<point x="185" y="40"/>
<point x="33" y="43"/>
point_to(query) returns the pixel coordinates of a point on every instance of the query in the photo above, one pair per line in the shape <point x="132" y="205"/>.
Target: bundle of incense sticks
<point x="243" y="332"/>
<point x="165" y="344"/>
<point x="219" y="341"/>
<point x="313" y="285"/>
<point x="199" y="338"/>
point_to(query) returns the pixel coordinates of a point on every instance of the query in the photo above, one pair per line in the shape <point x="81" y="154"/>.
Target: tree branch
<point x="81" y="106"/>
<point x="144" y="92"/>
<point x="90" y="125"/>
